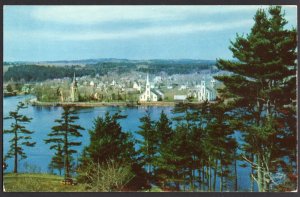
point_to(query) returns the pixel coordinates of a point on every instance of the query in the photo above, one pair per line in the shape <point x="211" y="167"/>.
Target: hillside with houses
<point x="136" y="83"/>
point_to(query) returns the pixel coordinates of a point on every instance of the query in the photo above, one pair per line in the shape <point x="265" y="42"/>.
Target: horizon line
<point x="131" y="59"/>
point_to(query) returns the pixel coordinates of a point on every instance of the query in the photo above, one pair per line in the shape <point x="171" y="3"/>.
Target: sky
<point x="48" y="33"/>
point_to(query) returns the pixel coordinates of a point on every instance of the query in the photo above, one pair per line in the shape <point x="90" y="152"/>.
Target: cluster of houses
<point x="203" y="92"/>
<point x="150" y="92"/>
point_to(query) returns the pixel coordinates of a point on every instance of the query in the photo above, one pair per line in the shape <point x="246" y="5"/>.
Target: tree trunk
<point x="203" y="178"/>
<point x="199" y="180"/>
<point x="67" y="165"/>
<point x="207" y="177"/>
<point x="215" y="175"/>
<point x="210" y="177"/>
<point x="236" y="176"/>
<point x="16" y="151"/>
<point x="251" y="175"/>
<point x="183" y="180"/>
<point x="221" y="177"/>
<point x="192" y="180"/>
<point x="259" y="175"/>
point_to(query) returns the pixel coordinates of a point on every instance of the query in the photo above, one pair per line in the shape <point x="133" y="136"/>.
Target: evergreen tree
<point x="165" y="171"/>
<point x="108" y="143"/>
<point x="20" y="135"/>
<point x="148" y="143"/>
<point x="63" y="134"/>
<point x="262" y="84"/>
<point x="220" y="135"/>
<point x="186" y="160"/>
<point x="57" y="161"/>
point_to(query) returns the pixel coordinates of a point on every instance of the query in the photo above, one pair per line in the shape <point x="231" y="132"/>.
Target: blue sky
<point x="40" y="33"/>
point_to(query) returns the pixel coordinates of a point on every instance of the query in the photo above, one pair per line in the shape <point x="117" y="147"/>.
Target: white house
<point x="113" y="83"/>
<point x="206" y="93"/>
<point x="160" y="95"/>
<point x="137" y="86"/>
<point x="148" y="95"/>
<point x="157" y="79"/>
<point x="92" y="84"/>
<point x="183" y="87"/>
<point x="180" y="98"/>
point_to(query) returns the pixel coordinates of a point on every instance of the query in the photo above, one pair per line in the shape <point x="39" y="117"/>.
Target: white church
<point x="206" y="92"/>
<point x="149" y="95"/>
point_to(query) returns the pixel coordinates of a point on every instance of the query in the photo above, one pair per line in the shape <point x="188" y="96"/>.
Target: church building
<point x="148" y="95"/>
<point x="74" y="90"/>
<point x="207" y="93"/>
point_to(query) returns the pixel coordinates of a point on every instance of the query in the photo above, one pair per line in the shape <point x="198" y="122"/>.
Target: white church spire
<point x="147" y="83"/>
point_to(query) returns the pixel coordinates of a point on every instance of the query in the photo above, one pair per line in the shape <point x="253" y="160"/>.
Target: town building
<point x="180" y="98"/>
<point x="137" y="86"/>
<point x="74" y="90"/>
<point x="207" y="93"/>
<point x="149" y="95"/>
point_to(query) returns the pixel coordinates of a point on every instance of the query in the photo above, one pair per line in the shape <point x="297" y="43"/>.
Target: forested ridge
<point x="33" y="72"/>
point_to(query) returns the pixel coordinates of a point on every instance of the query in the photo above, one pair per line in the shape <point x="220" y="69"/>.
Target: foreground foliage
<point x="107" y="177"/>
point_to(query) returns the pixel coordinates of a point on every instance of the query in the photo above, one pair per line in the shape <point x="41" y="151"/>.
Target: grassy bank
<point x="44" y="183"/>
<point x="38" y="183"/>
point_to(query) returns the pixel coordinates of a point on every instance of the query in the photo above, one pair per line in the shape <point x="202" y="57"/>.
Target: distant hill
<point x="39" y="71"/>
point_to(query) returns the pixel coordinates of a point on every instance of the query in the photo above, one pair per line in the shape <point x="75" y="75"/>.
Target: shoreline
<point x="102" y="104"/>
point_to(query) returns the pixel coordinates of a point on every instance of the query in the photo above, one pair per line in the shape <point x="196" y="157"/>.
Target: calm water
<point x="43" y="120"/>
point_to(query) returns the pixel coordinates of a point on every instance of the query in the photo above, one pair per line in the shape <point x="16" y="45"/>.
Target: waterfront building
<point x="206" y="93"/>
<point x="148" y="95"/>
<point x="137" y="86"/>
<point x="74" y="90"/>
<point x="180" y="98"/>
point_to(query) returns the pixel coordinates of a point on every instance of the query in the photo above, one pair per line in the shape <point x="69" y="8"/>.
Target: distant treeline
<point x="31" y="73"/>
<point x="41" y="73"/>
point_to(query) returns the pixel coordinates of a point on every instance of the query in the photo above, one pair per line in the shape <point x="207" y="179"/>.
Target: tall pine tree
<point x="63" y="133"/>
<point x="164" y="160"/>
<point x="148" y="143"/>
<point x="21" y="135"/>
<point x="262" y="84"/>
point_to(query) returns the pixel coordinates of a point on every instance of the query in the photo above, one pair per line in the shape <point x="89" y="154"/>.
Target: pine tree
<point x="262" y="84"/>
<point x="21" y="135"/>
<point x="183" y="141"/>
<point x="57" y="161"/>
<point x="149" y="142"/>
<point x="165" y="150"/>
<point x="108" y="143"/>
<point x="63" y="134"/>
<point x="220" y="135"/>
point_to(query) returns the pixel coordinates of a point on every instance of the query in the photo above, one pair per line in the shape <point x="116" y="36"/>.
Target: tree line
<point x="36" y="73"/>
<point x="197" y="150"/>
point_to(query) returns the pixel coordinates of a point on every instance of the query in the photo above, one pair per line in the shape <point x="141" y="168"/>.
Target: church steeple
<point x="74" y="90"/>
<point x="74" y="80"/>
<point x="147" y="83"/>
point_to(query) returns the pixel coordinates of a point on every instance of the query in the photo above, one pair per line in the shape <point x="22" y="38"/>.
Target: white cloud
<point x="98" y="14"/>
<point x="131" y="33"/>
